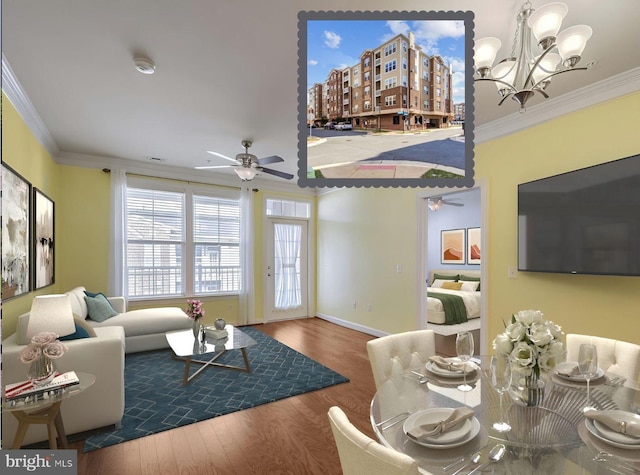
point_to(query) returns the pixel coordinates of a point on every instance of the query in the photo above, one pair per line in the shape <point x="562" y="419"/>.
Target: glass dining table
<point x="551" y="438"/>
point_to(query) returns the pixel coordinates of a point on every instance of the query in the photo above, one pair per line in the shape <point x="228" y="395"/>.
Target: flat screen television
<point x="585" y="221"/>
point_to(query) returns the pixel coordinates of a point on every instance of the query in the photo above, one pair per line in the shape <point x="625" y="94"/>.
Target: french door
<point x="286" y="269"/>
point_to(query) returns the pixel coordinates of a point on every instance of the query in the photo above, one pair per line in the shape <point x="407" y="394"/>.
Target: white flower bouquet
<point x="533" y="344"/>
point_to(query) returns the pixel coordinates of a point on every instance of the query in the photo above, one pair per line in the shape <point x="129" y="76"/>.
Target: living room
<point x="363" y="234"/>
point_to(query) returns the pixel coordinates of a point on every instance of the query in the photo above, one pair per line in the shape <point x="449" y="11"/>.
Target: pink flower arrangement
<point x="44" y="343"/>
<point x="194" y="309"/>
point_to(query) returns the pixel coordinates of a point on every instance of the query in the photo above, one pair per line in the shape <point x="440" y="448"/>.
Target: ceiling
<point x="227" y="71"/>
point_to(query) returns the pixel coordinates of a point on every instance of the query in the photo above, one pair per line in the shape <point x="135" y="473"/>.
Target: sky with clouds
<point x="339" y="43"/>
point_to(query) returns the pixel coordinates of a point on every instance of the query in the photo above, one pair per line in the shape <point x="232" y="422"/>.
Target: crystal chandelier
<point x="522" y="74"/>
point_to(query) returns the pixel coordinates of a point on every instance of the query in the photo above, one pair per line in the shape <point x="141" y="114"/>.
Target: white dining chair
<point x="392" y="354"/>
<point x="361" y="455"/>
<point x="614" y="356"/>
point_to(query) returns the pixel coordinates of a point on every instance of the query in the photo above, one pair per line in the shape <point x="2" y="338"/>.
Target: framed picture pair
<point x="28" y="258"/>
<point x="460" y="246"/>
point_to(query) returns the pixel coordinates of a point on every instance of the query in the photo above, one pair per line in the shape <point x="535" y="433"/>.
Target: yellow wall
<point x="363" y="233"/>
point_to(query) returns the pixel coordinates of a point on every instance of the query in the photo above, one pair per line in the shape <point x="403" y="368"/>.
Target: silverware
<point x="387" y="423"/>
<point x="495" y="454"/>
<point x="611" y="459"/>
<point x="462" y="459"/>
<point x="475" y="458"/>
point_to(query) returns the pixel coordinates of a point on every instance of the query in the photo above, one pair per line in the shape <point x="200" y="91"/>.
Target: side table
<point x="46" y="411"/>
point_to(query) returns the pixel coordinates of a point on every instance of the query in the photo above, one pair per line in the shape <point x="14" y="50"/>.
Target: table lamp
<point x="51" y="313"/>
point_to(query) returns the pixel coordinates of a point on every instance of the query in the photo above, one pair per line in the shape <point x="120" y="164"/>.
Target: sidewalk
<point x="383" y="169"/>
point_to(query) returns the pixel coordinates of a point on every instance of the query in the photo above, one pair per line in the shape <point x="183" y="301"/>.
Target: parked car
<point x="343" y="126"/>
<point x="329" y="125"/>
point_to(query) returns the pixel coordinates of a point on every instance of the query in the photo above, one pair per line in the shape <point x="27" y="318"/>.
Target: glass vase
<point x="528" y="391"/>
<point x="41" y="371"/>
<point x="196" y="329"/>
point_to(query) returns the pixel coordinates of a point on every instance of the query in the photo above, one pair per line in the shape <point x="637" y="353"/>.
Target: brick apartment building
<point x="458" y="112"/>
<point x="395" y="86"/>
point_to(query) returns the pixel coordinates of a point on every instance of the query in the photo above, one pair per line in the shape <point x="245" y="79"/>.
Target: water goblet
<point x="588" y="366"/>
<point x="501" y="380"/>
<point x="464" y="350"/>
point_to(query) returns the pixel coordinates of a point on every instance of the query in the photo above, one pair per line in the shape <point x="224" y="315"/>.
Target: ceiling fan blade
<point x="451" y="203"/>
<point x="214" y="166"/>
<point x="222" y="156"/>
<point x="271" y="159"/>
<point x="286" y="176"/>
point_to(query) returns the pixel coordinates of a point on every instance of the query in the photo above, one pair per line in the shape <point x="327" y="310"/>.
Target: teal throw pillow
<point x="99" y="308"/>
<point x="83" y="330"/>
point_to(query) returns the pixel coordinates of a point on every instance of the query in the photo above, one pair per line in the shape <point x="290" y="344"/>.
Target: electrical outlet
<point x="399" y="268"/>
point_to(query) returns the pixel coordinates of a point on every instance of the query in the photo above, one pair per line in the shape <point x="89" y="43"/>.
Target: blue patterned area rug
<point x="155" y="399"/>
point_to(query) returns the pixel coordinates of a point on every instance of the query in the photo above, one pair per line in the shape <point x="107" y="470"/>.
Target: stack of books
<point x="212" y="333"/>
<point x="21" y="391"/>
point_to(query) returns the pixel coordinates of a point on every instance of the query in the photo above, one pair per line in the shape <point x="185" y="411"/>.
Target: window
<point x="390" y="82"/>
<point x="367" y="91"/>
<point x="404" y="81"/>
<point x="425" y="76"/>
<point x="390" y="66"/>
<point x="355" y="96"/>
<point x="438" y="79"/>
<point x="425" y="62"/>
<point x="404" y="46"/>
<point x="390" y="101"/>
<point x="404" y="100"/>
<point x="356" y="72"/>
<point x="438" y="105"/>
<point x="367" y="76"/>
<point x="288" y="209"/>
<point x="396" y="119"/>
<point x="181" y="243"/>
<point x="355" y="108"/>
<point x="438" y="92"/>
<point x="356" y="83"/>
<point x="425" y="89"/>
<point x="438" y="66"/>
<point x="404" y="63"/>
<point x="367" y="62"/>
<point x="390" y="49"/>
<point x="367" y="105"/>
<point x="425" y="104"/>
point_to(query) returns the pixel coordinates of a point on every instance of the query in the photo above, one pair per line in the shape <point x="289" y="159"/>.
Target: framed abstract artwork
<point x="16" y="222"/>
<point x="452" y="246"/>
<point x="473" y="246"/>
<point x="43" y="239"/>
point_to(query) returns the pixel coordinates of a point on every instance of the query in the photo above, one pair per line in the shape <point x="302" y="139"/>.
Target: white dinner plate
<point x="596" y="433"/>
<point x="567" y="365"/>
<point x="615" y="436"/>
<point x="451" y="438"/>
<point x="445" y="373"/>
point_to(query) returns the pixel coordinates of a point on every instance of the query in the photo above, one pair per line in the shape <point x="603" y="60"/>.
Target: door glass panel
<point x="287" y="245"/>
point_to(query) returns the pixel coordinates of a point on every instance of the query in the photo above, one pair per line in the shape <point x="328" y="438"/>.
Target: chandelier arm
<point x="510" y="86"/>
<point x="556" y="73"/>
<point x="505" y="98"/>
<point x="535" y="65"/>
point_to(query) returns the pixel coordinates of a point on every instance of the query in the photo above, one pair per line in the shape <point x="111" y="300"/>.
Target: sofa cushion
<point x="78" y="305"/>
<point x="83" y="330"/>
<point x="99" y="308"/>
<point x="148" y="321"/>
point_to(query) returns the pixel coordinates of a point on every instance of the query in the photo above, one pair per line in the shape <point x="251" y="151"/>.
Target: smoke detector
<point x="144" y="65"/>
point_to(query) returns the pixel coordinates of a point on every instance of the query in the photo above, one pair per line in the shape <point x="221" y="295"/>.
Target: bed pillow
<point x="468" y="278"/>
<point x="437" y="283"/>
<point x="469" y="286"/>
<point x="444" y="277"/>
<point x="450" y="285"/>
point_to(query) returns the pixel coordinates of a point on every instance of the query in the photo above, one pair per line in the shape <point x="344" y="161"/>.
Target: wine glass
<point x="588" y="366"/>
<point x="501" y="380"/>
<point x="464" y="350"/>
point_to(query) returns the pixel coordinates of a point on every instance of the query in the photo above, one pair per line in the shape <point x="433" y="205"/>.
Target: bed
<point x="468" y="297"/>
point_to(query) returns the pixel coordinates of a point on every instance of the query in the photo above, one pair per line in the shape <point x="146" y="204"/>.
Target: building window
<point x="438" y="92"/>
<point x="356" y="72"/>
<point x="159" y="240"/>
<point x="438" y="66"/>
<point x="404" y="100"/>
<point x="425" y="62"/>
<point x="355" y="108"/>
<point x="355" y="96"/>
<point x="404" y="46"/>
<point x="425" y="104"/>
<point x="390" y="49"/>
<point x="390" y="82"/>
<point x="356" y="83"/>
<point x="396" y="119"/>
<point x="367" y="91"/>
<point x="367" y="105"/>
<point x="415" y="102"/>
<point x="404" y="81"/>
<point x="390" y="101"/>
<point x="425" y="89"/>
<point x="390" y="66"/>
<point x="438" y="79"/>
<point x="367" y="62"/>
<point x="367" y="76"/>
<point x="438" y="105"/>
<point x="404" y="63"/>
<point x="425" y="76"/>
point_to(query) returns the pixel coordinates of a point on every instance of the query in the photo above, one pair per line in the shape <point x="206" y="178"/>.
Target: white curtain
<point x="287" y="239"/>
<point x="246" y="303"/>
<point x="118" y="239"/>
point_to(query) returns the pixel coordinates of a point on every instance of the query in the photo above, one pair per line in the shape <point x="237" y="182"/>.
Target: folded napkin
<point x="569" y="372"/>
<point x="433" y="429"/>
<point x="456" y="366"/>
<point x="630" y="428"/>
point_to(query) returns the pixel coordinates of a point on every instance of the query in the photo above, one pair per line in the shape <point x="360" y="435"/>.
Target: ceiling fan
<point x="247" y="165"/>
<point x="436" y="202"/>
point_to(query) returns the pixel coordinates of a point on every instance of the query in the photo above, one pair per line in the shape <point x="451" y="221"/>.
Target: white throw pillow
<point x="437" y="284"/>
<point x="469" y="286"/>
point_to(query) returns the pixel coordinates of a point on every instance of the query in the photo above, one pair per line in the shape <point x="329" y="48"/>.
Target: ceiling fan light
<point x="485" y="52"/>
<point x="245" y="173"/>
<point x="434" y="204"/>
<point x="545" y="22"/>
<point x="571" y="43"/>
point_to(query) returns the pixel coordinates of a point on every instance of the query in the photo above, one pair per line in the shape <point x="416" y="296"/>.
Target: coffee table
<point x="185" y="347"/>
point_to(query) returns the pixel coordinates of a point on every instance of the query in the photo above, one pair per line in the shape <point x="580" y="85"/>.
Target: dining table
<point x="553" y="437"/>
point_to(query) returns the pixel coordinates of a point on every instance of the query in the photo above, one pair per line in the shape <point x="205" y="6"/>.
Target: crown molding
<point x="18" y="97"/>
<point x="605" y="90"/>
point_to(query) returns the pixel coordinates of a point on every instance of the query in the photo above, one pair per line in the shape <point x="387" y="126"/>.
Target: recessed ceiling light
<point x="144" y="65"/>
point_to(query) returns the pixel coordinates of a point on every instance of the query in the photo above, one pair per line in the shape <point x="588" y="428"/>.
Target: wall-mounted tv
<point x="585" y="221"/>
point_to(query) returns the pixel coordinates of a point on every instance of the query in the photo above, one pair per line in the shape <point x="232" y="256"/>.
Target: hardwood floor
<point x="290" y="436"/>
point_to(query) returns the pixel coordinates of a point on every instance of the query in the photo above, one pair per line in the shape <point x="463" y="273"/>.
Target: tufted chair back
<point x="360" y="454"/>
<point x="392" y="354"/>
<point x="614" y="356"/>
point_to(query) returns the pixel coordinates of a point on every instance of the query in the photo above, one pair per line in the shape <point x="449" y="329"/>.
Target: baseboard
<point x="352" y="325"/>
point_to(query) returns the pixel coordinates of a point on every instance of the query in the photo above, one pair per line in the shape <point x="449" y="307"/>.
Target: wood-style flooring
<point x="290" y="436"/>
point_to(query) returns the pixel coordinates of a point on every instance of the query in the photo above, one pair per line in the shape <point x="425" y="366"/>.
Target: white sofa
<point x="100" y="405"/>
<point x="144" y="329"/>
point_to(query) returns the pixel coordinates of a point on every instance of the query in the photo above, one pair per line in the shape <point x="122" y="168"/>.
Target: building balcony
<point x="377" y="63"/>
<point x="345" y="102"/>
<point x="378" y="93"/>
<point x="377" y="77"/>
<point x="345" y="89"/>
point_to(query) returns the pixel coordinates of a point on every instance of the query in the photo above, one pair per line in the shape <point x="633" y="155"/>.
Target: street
<point x="346" y="147"/>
